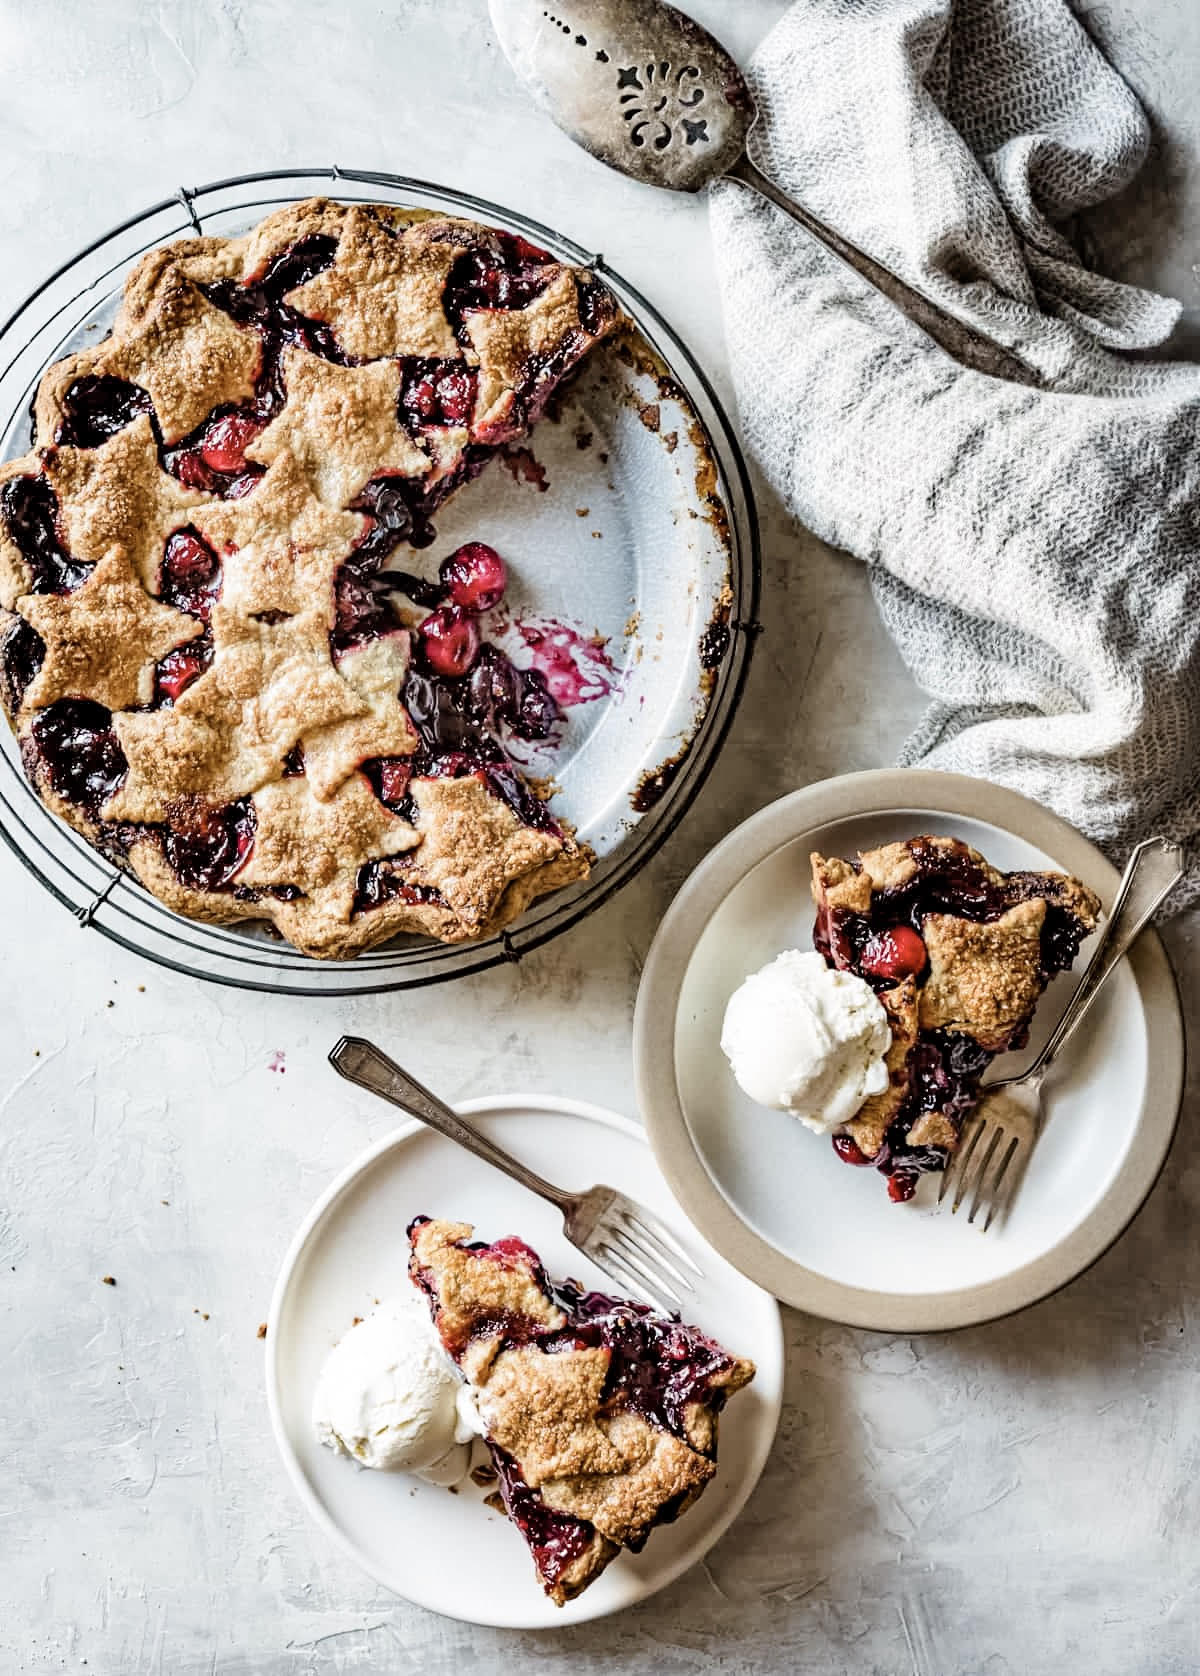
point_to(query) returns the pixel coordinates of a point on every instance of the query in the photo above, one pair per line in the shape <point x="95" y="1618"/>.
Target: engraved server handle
<point x="361" y="1062"/>
<point x="963" y="342"/>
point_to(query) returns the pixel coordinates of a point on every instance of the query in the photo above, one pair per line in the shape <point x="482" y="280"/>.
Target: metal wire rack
<point x="104" y="899"/>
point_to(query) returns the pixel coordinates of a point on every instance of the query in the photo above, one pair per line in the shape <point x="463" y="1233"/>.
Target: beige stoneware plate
<point x="774" y="1199"/>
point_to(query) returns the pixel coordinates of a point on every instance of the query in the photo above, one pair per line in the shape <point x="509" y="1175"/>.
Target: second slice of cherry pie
<point x="959" y="954"/>
<point x="600" y="1415"/>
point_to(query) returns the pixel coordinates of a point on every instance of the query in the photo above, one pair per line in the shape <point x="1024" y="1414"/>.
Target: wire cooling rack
<point x="111" y="902"/>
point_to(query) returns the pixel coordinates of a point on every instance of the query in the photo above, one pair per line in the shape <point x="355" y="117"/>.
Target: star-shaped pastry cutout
<point x="473" y="846"/>
<point x="383" y="294"/>
<point x="542" y="1410"/>
<point x="508" y="341"/>
<point x="103" y="640"/>
<point x="376" y="671"/>
<point x="118" y="495"/>
<point x="232" y="728"/>
<point x="340" y="425"/>
<point x="280" y="545"/>
<point x="187" y="353"/>
<point x="320" y="846"/>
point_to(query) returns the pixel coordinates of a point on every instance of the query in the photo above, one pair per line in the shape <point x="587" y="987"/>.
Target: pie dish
<point x="959" y="954"/>
<point x="199" y="653"/>
<point x="600" y="1415"/>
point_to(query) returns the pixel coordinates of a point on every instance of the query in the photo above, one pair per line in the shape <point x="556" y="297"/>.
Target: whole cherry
<point x="188" y="560"/>
<point x="848" y="1150"/>
<point x="901" y="1187"/>
<point x="394" y="776"/>
<point x="450" y="640"/>
<point x="475" y="577"/>
<point x="894" y="954"/>
<point x="178" y="670"/>
<point x="226" y="440"/>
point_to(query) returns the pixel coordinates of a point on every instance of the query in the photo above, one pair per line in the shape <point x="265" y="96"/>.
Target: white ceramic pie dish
<point x="449" y="1552"/>
<point x="774" y="1198"/>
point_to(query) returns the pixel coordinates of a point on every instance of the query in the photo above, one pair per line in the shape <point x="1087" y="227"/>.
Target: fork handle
<point x="1154" y="869"/>
<point x="363" y="1063"/>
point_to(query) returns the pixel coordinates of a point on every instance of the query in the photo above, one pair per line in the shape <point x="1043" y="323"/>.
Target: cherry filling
<point x="29" y="507"/>
<point x="384" y="880"/>
<point x="453" y="718"/>
<point x="95" y="408"/>
<point x="849" y="1151"/>
<point x="174" y="674"/>
<point x="205" y="847"/>
<point x="450" y="641"/>
<point x="83" y="759"/>
<point x="190" y="574"/>
<point x="21" y="652"/>
<point x="460" y="694"/>
<point x="657" y="1366"/>
<point x="474" y="577"/>
<point x="945" y="1070"/>
<point x="260" y="304"/>
<point x="213" y="456"/>
<point x="893" y="955"/>
<point x="434" y="392"/>
<point x="555" y="1539"/>
<point x="504" y="271"/>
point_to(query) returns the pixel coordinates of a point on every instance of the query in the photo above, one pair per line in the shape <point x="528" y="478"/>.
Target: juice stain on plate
<point x="576" y="667"/>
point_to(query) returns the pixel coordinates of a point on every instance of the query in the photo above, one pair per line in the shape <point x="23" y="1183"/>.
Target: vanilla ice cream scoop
<point x="806" y="1039"/>
<point x="389" y="1396"/>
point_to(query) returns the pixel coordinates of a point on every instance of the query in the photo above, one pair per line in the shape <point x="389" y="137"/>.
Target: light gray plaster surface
<point x="1010" y="1501"/>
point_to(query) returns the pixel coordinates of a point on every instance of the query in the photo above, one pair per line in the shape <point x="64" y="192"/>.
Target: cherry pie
<point x="198" y="647"/>
<point x="601" y="1416"/>
<point x="959" y="955"/>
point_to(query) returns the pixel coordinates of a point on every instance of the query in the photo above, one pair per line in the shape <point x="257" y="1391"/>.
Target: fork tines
<point x="986" y="1143"/>
<point x="635" y="1246"/>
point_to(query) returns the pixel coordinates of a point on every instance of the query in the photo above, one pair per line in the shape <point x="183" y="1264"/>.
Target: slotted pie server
<point x="641" y="86"/>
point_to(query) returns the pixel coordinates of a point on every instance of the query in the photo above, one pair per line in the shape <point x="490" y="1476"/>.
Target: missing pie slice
<point x="959" y="954"/>
<point x="600" y="1415"/>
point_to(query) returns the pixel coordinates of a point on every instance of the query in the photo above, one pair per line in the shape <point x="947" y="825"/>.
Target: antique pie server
<point x="645" y="89"/>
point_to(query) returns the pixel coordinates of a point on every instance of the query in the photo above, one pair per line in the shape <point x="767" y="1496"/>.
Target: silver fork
<point x="1008" y="1120"/>
<point x="621" y="1237"/>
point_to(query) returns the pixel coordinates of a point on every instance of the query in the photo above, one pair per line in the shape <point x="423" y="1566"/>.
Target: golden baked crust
<point x="984" y="980"/>
<point x="551" y="1390"/>
<point x="253" y="395"/>
<point x="870" y="1124"/>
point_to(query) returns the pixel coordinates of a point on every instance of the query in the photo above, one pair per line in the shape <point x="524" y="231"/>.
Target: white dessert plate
<point x="774" y="1198"/>
<point x="448" y="1551"/>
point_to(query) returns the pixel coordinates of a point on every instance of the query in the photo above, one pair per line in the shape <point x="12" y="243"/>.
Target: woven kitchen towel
<point x="1034" y="553"/>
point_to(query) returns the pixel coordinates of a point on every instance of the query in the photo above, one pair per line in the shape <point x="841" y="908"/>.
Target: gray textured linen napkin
<point x="1035" y="554"/>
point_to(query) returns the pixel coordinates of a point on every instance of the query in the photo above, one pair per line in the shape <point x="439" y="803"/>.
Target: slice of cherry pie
<point x="959" y="955"/>
<point x="198" y="645"/>
<point x="601" y="1416"/>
